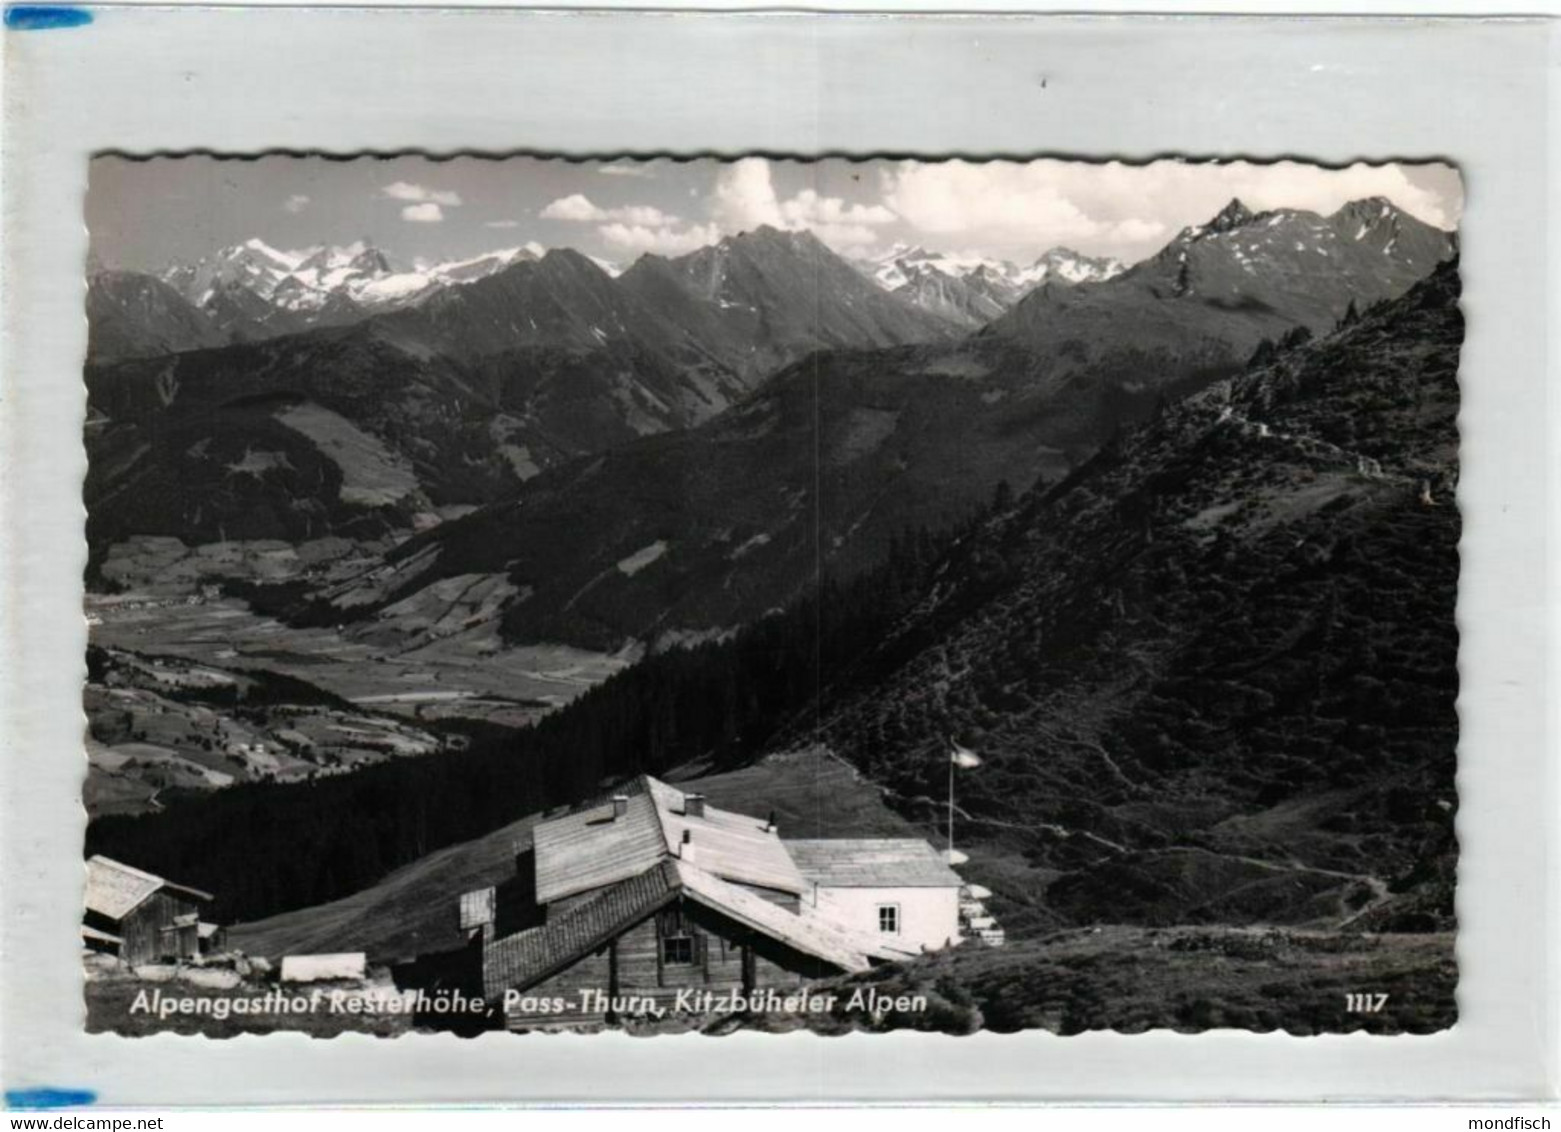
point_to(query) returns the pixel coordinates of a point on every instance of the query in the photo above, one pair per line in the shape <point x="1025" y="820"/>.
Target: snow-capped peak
<point x="309" y="280"/>
<point x="903" y="263"/>
<point x="1068" y="266"/>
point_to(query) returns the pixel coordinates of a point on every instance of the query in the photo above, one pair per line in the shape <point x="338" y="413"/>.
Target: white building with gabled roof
<point x="653" y="893"/>
<point x="894" y="886"/>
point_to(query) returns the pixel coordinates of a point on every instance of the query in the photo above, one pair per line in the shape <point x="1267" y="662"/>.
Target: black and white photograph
<point x="676" y="594"/>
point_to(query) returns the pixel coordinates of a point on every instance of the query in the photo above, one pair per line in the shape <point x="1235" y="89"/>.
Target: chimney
<point x="686" y="849"/>
<point x="620" y="806"/>
<point x="693" y="805"/>
<point x="769" y="825"/>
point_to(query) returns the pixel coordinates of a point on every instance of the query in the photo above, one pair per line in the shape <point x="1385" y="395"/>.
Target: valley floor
<point x="479" y="676"/>
<point x="158" y="720"/>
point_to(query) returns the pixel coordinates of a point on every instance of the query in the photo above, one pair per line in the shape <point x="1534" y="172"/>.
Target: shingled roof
<point x="890" y="862"/>
<point x="591" y="847"/>
<point x="115" y="889"/>
<point x="807" y="930"/>
<point x="525" y="958"/>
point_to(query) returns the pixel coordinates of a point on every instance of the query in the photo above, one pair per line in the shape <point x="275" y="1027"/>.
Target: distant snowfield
<point x="371" y="475"/>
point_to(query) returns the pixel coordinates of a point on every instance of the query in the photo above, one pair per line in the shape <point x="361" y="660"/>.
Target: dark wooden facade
<point x="164" y="926"/>
<point x="683" y="946"/>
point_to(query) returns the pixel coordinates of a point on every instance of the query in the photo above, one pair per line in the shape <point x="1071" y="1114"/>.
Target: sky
<point x="145" y="215"/>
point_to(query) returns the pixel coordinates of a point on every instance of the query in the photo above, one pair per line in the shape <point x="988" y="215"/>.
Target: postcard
<point x="716" y="595"/>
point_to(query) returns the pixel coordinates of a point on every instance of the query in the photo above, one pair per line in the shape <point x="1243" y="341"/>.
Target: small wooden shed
<point x="140" y="917"/>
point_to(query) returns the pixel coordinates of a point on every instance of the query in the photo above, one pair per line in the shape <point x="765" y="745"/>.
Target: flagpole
<point x="951" y="808"/>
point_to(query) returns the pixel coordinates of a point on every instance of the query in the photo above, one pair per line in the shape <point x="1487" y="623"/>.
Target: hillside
<point x="706" y="529"/>
<point x="130" y="315"/>
<point x="1133" y="980"/>
<point x="161" y="723"/>
<point x="332" y="432"/>
<point x="971" y="300"/>
<point x="1212" y="673"/>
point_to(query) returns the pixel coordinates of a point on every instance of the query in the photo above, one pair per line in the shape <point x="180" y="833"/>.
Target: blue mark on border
<point x="44" y="17"/>
<point x="47" y="1098"/>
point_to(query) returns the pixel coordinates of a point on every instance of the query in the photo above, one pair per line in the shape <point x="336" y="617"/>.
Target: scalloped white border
<point x="344" y="80"/>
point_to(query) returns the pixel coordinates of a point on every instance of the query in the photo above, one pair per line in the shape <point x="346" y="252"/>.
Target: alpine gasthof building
<point x="653" y="892"/>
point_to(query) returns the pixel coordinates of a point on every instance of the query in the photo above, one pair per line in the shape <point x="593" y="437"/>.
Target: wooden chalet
<point x="652" y="893"/>
<point x="143" y="918"/>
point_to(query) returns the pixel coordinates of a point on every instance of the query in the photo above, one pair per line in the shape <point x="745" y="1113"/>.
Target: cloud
<point x="638" y="239"/>
<point x="1326" y="190"/>
<point x="405" y="190"/>
<point x="1128" y="210"/>
<point x="1014" y="210"/>
<point x="295" y="203"/>
<point x="426" y="213"/>
<point x="808" y="208"/>
<point x="578" y="208"/>
<point x="627" y="169"/>
<point x="1133" y="230"/>
<point x="958" y="198"/>
<point x="502" y="224"/>
<point x="845" y="237"/>
<point x="745" y="198"/>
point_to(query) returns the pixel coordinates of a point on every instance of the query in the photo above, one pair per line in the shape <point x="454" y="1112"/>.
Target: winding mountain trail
<point x="1367" y="466"/>
<point x="1378" y="886"/>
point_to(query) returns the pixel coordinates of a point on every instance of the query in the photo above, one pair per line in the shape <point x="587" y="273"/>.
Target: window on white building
<point x="889" y="918"/>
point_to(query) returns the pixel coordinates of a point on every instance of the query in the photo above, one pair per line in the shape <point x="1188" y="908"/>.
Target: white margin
<point x="1479" y="93"/>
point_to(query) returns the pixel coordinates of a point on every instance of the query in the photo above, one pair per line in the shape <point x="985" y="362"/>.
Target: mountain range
<point x="318" y="286"/>
<point x="251" y="290"/>
<point x="660" y="402"/>
<point x="705" y="528"/>
<point x="452" y="400"/>
<point x="1218" y="289"/>
<point x="970" y="291"/>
